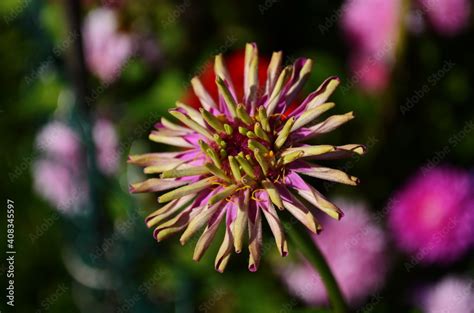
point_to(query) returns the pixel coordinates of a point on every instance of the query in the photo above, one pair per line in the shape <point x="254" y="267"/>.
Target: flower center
<point x="245" y="151"/>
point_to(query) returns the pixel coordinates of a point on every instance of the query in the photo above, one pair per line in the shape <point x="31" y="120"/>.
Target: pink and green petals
<point x="251" y="75"/>
<point x="240" y="223"/>
<point x="255" y="238"/>
<point x="324" y="173"/>
<point x="239" y="158"/>
<point x="299" y="211"/>
<point x="274" y="222"/>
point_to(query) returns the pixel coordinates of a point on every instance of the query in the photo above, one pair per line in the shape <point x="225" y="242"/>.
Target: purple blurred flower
<point x="355" y="249"/>
<point x="372" y="29"/>
<point x="58" y="173"/>
<point x="106" y="48"/>
<point x="448" y="17"/>
<point x="240" y="158"/>
<point x="432" y="216"/>
<point x="106" y="142"/>
<point x="451" y="295"/>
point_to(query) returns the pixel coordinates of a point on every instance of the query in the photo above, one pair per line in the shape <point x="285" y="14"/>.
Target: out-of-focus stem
<point x="304" y="243"/>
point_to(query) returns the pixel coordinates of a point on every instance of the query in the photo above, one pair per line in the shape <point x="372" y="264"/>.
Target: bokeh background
<point x="83" y="82"/>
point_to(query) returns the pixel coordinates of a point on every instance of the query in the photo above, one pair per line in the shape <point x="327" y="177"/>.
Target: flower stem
<point x="302" y="239"/>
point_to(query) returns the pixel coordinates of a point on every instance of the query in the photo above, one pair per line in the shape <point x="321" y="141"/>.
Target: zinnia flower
<point x="451" y="295"/>
<point x="242" y="158"/>
<point x="355" y="249"/>
<point x="432" y="216"/>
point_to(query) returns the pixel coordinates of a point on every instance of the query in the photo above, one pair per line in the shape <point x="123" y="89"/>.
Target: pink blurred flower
<point x="371" y="74"/>
<point x="58" y="173"/>
<point x="448" y="17"/>
<point x="355" y="249"/>
<point x="372" y="29"/>
<point x="59" y="184"/>
<point x="432" y="216"/>
<point x="56" y="139"/>
<point x="105" y="139"/>
<point x="451" y="295"/>
<point x="106" y="48"/>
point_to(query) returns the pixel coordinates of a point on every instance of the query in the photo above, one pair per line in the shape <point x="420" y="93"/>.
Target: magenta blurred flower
<point x="372" y="29"/>
<point x="58" y="174"/>
<point x="451" y="295"/>
<point x="106" y="48"/>
<point x="448" y="17"/>
<point x="355" y="249"/>
<point x="371" y="74"/>
<point x="432" y="215"/>
<point x="242" y="157"/>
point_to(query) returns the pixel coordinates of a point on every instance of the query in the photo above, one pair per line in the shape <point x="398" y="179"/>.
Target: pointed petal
<point x="175" y="127"/>
<point x="207" y="236"/>
<point x="318" y="97"/>
<point x="227" y="96"/>
<point x="272" y="193"/>
<point x="274" y="222"/>
<point x="318" y="200"/>
<point x="187" y="190"/>
<point x="303" y="72"/>
<point x="312" y="195"/>
<point x="201" y="92"/>
<point x="251" y="74"/>
<point x="311" y="114"/>
<point x="277" y="93"/>
<point x="161" y="137"/>
<point x="342" y="152"/>
<point x="240" y="223"/>
<point x="221" y="71"/>
<point x="182" y="172"/>
<point x="255" y="240"/>
<point x="167" y="210"/>
<point x="292" y="154"/>
<point x="273" y="71"/>
<point x="325" y="173"/>
<point x="156" y="184"/>
<point x="175" y="224"/>
<point x="226" y="247"/>
<point x="152" y="158"/>
<point x="191" y="112"/>
<point x="188" y="121"/>
<point x="300" y="211"/>
<point x="330" y="124"/>
<point x="199" y="221"/>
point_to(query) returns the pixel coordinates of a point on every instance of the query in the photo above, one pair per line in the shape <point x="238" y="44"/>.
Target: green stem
<point x="302" y="239"/>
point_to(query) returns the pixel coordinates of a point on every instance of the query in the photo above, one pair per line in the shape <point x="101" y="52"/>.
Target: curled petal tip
<point x="253" y="268"/>
<point x="155" y="234"/>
